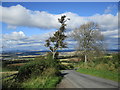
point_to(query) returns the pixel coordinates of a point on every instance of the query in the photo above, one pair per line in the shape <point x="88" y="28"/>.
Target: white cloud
<point x="19" y="39"/>
<point x="111" y="32"/>
<point x="14" y="36"/>
<point x="106" y="21"/>
<point x="18" y="15"/>
<point x="10" y="40"/>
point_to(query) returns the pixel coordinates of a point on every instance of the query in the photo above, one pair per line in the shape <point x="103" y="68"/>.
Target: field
<point x="48" y="76"/>
<point x="43" y="72"/>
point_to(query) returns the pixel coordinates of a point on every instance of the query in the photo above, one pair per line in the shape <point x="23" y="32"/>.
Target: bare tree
<point x="57" y="40"/>
<point x="89" y="39"/>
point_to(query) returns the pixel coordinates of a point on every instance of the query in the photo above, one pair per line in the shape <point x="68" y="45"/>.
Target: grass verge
<point x="100" y="73"/>
<point x="44" y="82"/>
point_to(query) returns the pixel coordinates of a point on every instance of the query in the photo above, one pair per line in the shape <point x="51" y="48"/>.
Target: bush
<point x="102" y="67"/>
<point x="116" y="56"/>
<point x="13" y="68"/>
<point x="37" y="67"/>
<point x="40" y="73"/>
<point x="10" y="67"/>
<point x="115" y="60"/>
<point x="50" y="72"/>
<point x="32" y="68"/>
<point x="103" y="63"/>
<point x="52" y="62"/>
<point x="70" y="66"/>
<point x="64" y="67"/>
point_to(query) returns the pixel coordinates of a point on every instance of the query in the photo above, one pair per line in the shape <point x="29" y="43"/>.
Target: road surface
<point x="73" y="79"/>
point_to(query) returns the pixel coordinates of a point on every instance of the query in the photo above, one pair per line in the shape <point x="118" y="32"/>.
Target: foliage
<point x="56" y="41"/>
<point x="48" y="79"/>
<point x="102" y="63"/>
<point x="11" y="67"/>
<point x="89" y="39"/>
<point x="40" y="73"/>
<point x="44" y="82"/>
<point x="34" y="67"/>
<point x="106" y="67"/>
<point x="37" y="67"/>
<point x="9" y="82"/>
<point x="66" y="67"/>
<point x="52" y="62"/>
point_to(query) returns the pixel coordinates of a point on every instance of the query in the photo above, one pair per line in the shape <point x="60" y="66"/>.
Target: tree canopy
<point x="57" y="40"/>
<point x="89" y="38"/>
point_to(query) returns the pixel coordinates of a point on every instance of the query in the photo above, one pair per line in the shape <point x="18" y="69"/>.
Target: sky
<point x="26" y="25"/>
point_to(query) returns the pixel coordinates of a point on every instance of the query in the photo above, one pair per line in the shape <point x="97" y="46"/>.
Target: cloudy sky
<point x="26" y="26"/>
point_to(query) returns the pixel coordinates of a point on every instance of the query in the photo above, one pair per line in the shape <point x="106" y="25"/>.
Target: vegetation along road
<point x="73" y="79"/>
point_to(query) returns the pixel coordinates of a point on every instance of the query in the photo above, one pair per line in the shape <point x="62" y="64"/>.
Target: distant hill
<point x="25" y="52"/>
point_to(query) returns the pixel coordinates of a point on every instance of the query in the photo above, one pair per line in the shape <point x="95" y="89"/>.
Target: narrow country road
<point x="73" y="79"/>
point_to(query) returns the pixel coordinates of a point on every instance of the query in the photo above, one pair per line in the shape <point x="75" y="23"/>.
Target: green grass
<point x="100" y="73"/>
<point x="52" y="82"/>
<point x="33" y="82"/>
<point x="41" y="82"/>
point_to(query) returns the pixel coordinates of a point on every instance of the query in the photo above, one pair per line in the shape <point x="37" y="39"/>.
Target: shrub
<point x="37" y="67"/>
<point x="32" y="68"/>
<point x="70" y="66"/>
<point x="52" y="62"/>
<point x="116" y="56"/>
<point x="63" y="67"/>
<point x="13" y="67"/>
<point x="102" y="67"/>
<point x="50" y="72"/>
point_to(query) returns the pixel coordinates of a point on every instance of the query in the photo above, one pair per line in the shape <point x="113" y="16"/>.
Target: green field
<point x="43" y="72"/>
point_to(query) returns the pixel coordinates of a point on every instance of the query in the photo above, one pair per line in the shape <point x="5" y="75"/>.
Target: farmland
<point x="67" y="61"/>
<point x="12" y="65"/>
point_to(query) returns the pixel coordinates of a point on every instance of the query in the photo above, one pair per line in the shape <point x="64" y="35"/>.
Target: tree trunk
<point x="85" y="58"/>
<point x="54" y="55"/>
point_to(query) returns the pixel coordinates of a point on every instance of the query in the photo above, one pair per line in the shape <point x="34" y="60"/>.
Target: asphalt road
<point x="73" y="79"/>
